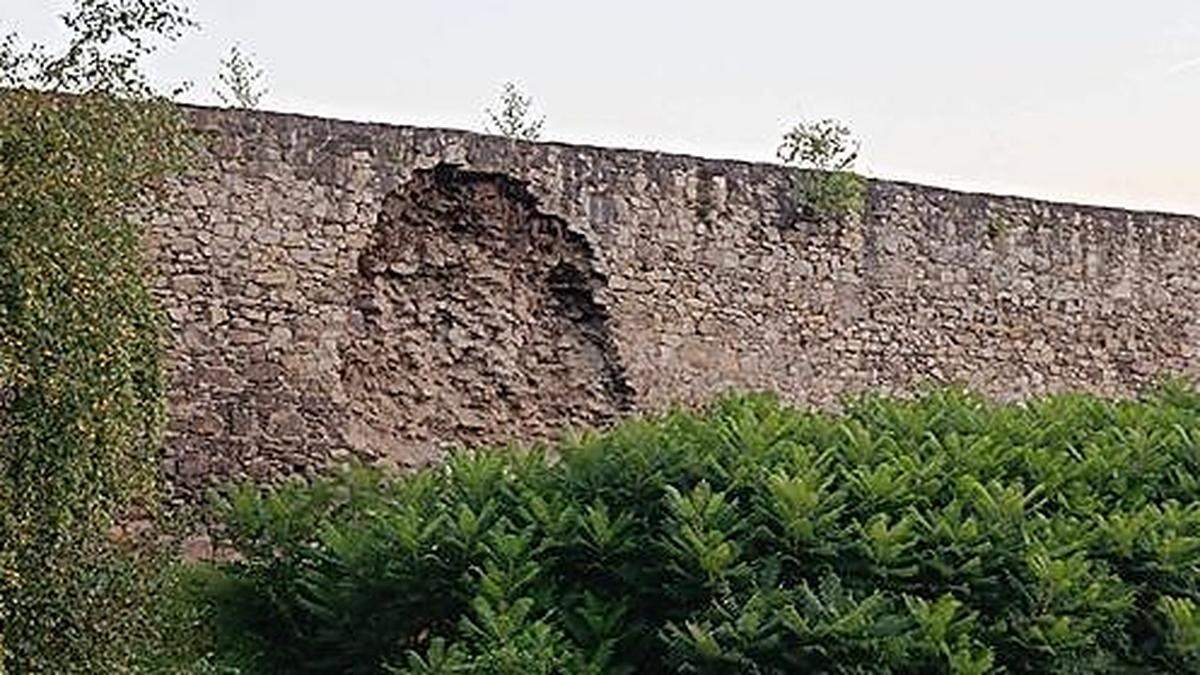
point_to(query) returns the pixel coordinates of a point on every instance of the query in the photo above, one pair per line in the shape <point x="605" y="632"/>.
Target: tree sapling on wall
<point x="514" y="118"/>
<point x="825" y="151"/>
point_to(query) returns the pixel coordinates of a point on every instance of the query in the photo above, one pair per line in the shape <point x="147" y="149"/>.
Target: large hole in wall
<point x="475" y="321"/>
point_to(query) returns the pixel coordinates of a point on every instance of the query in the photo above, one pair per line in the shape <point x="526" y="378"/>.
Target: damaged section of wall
<point x="474" y="320"/>
<point x="338" y="289"/>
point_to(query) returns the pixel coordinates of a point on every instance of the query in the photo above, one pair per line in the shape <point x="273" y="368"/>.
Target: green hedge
<point x="945" y="534"/>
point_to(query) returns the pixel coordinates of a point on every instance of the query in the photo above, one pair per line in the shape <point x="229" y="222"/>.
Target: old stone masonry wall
<point x="339" y="289"/>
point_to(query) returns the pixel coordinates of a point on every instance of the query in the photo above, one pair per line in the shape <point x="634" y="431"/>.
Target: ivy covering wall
<point x="83" y="141"/>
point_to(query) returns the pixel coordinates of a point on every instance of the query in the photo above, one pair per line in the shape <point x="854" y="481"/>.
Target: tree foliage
<point x="109" y="39"/>
<point x="943" y="534"/>
<point x="83" y="138"/>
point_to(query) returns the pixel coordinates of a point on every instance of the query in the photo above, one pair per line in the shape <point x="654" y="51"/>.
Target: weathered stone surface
<point x="337" y="288"/>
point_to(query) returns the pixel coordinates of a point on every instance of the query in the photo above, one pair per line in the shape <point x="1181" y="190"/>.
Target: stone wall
<point x="339" y="289"/>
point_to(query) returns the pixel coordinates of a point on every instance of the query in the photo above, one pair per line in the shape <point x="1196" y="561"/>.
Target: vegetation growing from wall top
<point x="514" y="117"/>
<point x="826" y="186"/>
<point x="82" y="137"/>
<point x="240" y="81"/>
<point x="945" y="534"/>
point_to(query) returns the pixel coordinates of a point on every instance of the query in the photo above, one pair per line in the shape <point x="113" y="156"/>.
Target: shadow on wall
<point x="474" y="318"/>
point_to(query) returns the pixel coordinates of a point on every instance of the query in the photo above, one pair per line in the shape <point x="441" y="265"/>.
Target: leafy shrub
<point x="945" y="534"/>
<point x="81" y="389"/>
<point x="825" y="151"/>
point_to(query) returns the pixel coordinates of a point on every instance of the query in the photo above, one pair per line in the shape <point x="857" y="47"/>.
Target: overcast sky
<point x="1079" y="100"/>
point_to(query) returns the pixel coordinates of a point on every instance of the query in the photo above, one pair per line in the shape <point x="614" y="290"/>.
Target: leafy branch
<point x="110" y="40"/>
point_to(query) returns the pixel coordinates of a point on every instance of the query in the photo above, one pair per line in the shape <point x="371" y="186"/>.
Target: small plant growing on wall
<point x="825" y="151"/>
<point x="998" y="226"/>
<point x="240" y="81"/>
<point x="513" y="117"/>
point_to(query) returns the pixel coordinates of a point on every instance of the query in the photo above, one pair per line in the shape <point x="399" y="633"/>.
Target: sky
<point x="1094" y="101"/>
